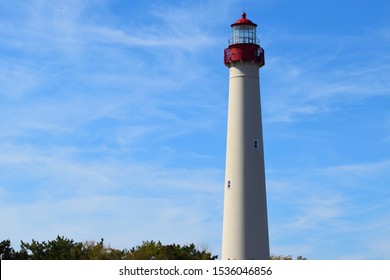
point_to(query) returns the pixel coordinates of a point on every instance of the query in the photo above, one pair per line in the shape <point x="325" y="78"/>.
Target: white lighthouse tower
<point x="245" y="223"/>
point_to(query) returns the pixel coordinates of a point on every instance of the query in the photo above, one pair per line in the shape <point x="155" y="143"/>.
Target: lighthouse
<point x="245" y="222"/>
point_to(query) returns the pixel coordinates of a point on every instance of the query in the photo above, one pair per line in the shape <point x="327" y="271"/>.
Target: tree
<point x="6" y="251"/>
<point x="59" y="249"/>
<point x="288" y="257"/>
<point x="99" y="251"/>
<point x="155" y="250"/>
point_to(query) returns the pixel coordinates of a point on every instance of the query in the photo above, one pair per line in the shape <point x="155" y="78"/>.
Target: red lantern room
<point x="243" y="45"/>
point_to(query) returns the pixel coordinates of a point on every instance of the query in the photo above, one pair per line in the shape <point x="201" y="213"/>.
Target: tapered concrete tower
<point x="245" y="223"/>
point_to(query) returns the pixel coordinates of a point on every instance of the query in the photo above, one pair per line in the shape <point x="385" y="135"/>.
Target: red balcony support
<point x="244" y="52"/>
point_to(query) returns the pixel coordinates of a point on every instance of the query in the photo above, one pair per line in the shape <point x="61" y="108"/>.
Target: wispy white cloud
<point x="323" y="73"/>
<point x="85" y="60"/>
<point x="330" y="204"/>
<point x="64" y="192"/>
<point x="359" y="170"/>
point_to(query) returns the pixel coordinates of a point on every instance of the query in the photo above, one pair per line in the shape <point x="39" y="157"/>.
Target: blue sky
<point x="113" y="119"/>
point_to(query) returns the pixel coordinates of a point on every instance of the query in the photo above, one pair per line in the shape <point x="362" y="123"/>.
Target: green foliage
<point x="67" y="249"/>
<point x="6" y="251"/>
<point x="59" y="249"/>
<point x="99" y="251"/>
<point x="288" y="257"/>
<point x="152" y="250"/>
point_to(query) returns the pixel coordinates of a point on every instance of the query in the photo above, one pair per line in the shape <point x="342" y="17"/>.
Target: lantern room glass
<point x="244" y="34"/>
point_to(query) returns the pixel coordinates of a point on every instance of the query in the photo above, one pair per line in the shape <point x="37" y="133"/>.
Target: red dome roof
<point x="244" y="21"/>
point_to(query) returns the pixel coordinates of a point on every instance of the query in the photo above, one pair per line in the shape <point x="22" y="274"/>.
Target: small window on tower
<point x="228" y="184"/>
<point x="255" y="144"/>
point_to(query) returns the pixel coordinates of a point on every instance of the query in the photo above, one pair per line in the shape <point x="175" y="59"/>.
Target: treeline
<point x="63" y="248"/>
<point x="67" y="249"/>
